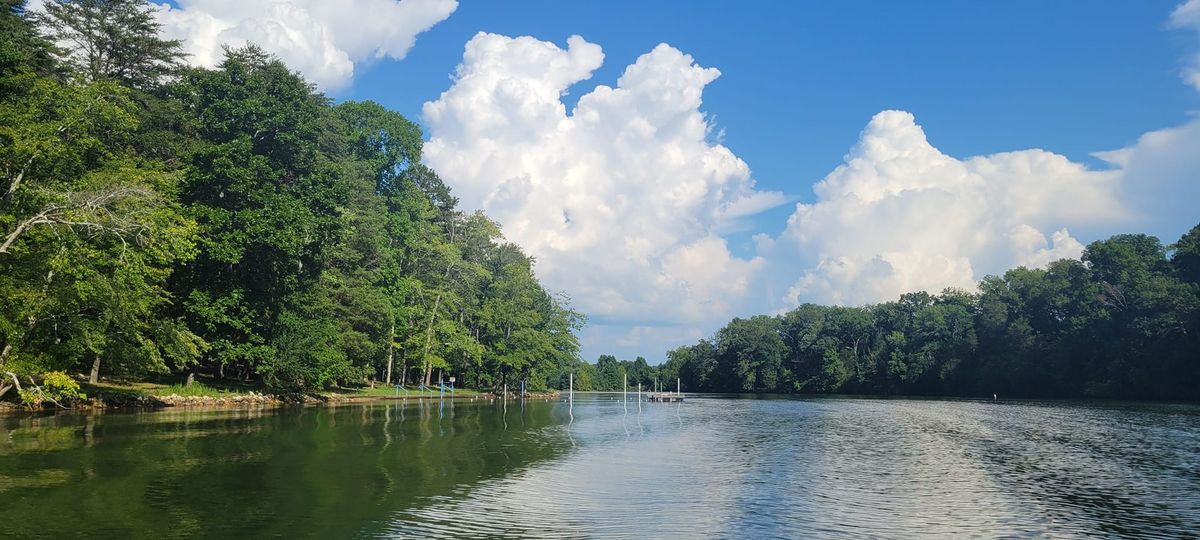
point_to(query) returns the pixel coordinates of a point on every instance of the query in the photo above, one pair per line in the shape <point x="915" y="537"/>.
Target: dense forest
<point x="159" y="219"/>
<point x="233" y="222"/>
<point x="1123" y="322"/>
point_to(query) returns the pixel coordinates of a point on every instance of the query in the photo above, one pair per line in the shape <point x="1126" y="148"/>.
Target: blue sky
<point x="799" y="79"/>
<point x="938" y="192"/>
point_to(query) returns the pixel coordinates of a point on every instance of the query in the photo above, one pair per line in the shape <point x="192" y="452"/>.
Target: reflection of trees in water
<point x="308" y="471"/>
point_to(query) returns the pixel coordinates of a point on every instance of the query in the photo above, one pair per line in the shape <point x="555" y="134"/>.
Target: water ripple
<point x="852" y="468"/>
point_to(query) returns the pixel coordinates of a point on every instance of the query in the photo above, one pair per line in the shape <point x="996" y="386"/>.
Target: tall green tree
<point x="265" y="190"/>
<point x="88" y="233"/>
<point x="111" y="40"/>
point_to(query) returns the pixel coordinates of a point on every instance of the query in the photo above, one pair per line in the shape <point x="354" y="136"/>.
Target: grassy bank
<point x="381" y="391"/>
<point x="214" y="392"/>
<point x="228" y="393"/>
<point x="106" y="389"/>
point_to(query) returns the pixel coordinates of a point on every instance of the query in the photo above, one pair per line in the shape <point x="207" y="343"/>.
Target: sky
<point x="674" y="164"/>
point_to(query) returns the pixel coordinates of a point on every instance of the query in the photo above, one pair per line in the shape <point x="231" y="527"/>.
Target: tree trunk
<point x="191" y="378"/>
<point x="94" y="377"/>
<point x="429" y="337"/>
<point x="391" y="351"/>
<point x="6" y="387"/>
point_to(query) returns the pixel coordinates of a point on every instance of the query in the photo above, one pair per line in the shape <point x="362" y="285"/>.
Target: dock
<point x="665" y="397"/>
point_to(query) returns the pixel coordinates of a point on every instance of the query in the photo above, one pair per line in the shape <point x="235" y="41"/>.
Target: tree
<point x="25" y="54"/>
<point x="266" y="196"/>
<point x="608" y="373"/>
<point x="88" y="235"/>
<point x="234" y="219"/>
<point x="112" y="40"/>
<point x="750" y="354"/>
<point x="1185" y="257"/>
<point x="1123" y="322"/>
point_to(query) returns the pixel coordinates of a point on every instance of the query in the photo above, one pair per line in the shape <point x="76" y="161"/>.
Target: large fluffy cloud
<point x="1160" y="179"/>
<point x="622" y="200"/>
<point x="324" y="39"/>
<point x="901" y="216"/>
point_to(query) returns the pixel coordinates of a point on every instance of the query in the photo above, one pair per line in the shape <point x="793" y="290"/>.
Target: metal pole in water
<point x="639" y="392"/>
<point x="676" y="386"/>
<point x="625" y="387"/>
<point x="505" y="391"/>
<point x="571" y="388"/>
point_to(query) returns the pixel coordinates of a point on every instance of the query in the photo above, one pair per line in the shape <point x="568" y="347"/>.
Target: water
<point x="710" y="467"/>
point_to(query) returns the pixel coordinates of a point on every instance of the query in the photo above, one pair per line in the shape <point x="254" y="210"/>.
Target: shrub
<point x="56" y="387"/>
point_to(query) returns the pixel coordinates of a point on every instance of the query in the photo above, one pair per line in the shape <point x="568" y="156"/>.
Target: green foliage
<point x="1186" y="256"/>
<point x="57" y="387"/>
<point x="115" y="40"/>
<point x="196" y="389"/>
<point x="1124" y="322"/>
<point x="232" y="220"/>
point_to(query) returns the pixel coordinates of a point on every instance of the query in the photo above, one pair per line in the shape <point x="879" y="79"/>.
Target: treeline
<point x="157" y="218"/>
<point x="1123" y="322"/>
<point x="611" y="375"/>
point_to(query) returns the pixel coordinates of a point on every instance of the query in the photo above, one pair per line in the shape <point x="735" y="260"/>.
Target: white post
<point x="676" y="386"/>
<point x="505" y="391"/>
<point x="639" y="392"/>
<point x="625" y="387"/>
<point x="571" y="388"/>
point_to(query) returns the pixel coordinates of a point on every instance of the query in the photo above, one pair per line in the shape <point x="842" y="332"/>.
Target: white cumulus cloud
<point x="323" y="39"/>
<point x="1187" y="15"/>
<point x="901" y="216"/>
<point x="622" y="200"/>
<point x="1160" y="179"/>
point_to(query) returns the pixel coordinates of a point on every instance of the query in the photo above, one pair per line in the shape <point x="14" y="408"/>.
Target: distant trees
<point x="609" y="374"/>
<point x="234" y="222"/>
<point x="1122" y="322"/>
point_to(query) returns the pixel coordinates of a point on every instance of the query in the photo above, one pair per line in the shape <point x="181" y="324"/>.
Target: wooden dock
<point x="665" y="397"/>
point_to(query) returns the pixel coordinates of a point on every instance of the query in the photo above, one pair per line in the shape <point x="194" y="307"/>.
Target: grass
<point x="147" y="388"/>
<point x="388" y="391"/>
<point x="195" y="390"/>
<point x="111" y="390"/>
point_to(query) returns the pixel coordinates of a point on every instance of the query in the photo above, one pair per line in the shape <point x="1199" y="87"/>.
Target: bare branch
<point x="16" y="382"/>
<point x="96" y="212"/>
<point x="12" y="188"/>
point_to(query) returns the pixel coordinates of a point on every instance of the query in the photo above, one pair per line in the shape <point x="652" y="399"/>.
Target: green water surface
<point x="601" y="466"/>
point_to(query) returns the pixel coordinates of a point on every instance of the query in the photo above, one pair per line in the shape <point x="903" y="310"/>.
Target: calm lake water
<point x="710" y="467"/>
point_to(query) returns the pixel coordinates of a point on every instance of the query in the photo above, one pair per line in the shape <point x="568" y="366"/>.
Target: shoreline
<point x="252" y="400"/>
